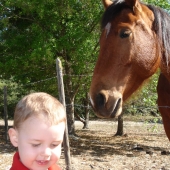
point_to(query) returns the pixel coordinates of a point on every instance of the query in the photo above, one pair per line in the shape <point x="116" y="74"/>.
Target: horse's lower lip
<point x="113" y="115"/>
<point x="115" y="109"/>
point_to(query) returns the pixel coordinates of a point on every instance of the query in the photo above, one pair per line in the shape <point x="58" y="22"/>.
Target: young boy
<point x="39" y="124"/>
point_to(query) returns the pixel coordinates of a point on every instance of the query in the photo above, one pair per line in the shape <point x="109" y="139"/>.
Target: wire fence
<point x="15" y="94"/>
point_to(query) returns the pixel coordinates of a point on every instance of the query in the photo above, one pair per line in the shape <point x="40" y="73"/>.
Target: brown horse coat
<point x="134" y="43"/>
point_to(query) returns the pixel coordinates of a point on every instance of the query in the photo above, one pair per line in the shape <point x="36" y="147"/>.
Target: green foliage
<point x="165" y="4"/>
<point x="154" y="126"/>
<point x="14" y="91"/>
<point x="35" y="33"/>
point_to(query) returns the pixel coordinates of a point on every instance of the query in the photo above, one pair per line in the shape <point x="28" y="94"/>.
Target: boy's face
<point x="39" y="144"/>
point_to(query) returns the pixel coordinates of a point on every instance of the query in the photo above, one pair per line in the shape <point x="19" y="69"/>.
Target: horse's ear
<point x="107" y="3"/>
<point x="135" y="5"/>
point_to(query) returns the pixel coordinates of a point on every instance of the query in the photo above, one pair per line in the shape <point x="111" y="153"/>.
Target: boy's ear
<point x="13" y="135"/>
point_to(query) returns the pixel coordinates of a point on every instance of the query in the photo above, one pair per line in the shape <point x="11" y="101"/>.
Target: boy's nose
<point x="46" y="152"/>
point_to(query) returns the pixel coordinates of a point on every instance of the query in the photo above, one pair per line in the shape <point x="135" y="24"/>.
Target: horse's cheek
<point x="145" y="55"/>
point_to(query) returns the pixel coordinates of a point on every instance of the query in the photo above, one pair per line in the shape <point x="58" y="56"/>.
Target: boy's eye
<point x="36" y="145"/>
<point x="54" y="145"/>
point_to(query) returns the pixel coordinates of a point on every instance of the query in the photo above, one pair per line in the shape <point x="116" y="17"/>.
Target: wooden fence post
<point x="5" y="114"/>
<point x="62" y="100"/>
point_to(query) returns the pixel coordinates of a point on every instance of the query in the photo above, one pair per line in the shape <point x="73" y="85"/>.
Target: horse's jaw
<point x="107" y="106"/>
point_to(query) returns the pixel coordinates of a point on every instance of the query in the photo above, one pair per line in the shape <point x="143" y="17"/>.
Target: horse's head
<point x="127" y="55"/>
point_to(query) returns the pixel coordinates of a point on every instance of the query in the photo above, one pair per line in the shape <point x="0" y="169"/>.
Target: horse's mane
<point x="161" y="25"/>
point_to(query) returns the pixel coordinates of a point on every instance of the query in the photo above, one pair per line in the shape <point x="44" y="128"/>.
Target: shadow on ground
<point x="100" y="143"/>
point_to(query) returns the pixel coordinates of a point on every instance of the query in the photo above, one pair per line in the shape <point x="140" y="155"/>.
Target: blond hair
<point x="40" y="105"/>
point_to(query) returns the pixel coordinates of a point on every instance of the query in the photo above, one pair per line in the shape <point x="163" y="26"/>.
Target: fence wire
<point x="53" y="81"/>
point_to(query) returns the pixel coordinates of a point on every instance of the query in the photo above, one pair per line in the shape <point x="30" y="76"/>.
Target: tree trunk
<point x="120" y="126"/>
<point x="69" y="95"/>
<point x="71" y="89"/>
<point x="86" y="104"/>
<point x="85" y="120"/>
<point x="70" y="117"/>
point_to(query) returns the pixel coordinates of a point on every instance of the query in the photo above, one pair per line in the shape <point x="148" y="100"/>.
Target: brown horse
<point x="134" y="43"/>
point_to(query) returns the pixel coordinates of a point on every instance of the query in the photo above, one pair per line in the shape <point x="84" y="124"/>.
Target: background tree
<point x="34" y="33"/>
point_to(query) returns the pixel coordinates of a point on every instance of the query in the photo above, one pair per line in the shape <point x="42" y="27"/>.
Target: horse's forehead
<point x="126" y="16"/>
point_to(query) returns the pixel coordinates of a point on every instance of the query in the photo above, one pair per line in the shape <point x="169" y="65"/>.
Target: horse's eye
<point x="124" y="33"/>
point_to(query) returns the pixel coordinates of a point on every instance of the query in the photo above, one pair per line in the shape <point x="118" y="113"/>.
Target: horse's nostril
<point x="100" y="100"/>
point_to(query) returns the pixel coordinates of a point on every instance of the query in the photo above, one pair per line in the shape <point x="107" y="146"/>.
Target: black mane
<point x="161" y="26"/>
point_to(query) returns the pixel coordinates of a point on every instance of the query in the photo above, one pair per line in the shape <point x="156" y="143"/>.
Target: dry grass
<point x="145" y="147"/>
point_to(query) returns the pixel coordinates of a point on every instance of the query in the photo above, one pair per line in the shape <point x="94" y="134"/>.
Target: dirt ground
<point x="144" y="147"/>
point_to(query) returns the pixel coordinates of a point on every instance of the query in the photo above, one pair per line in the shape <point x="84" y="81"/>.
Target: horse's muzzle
<point x="107" y="105"/>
